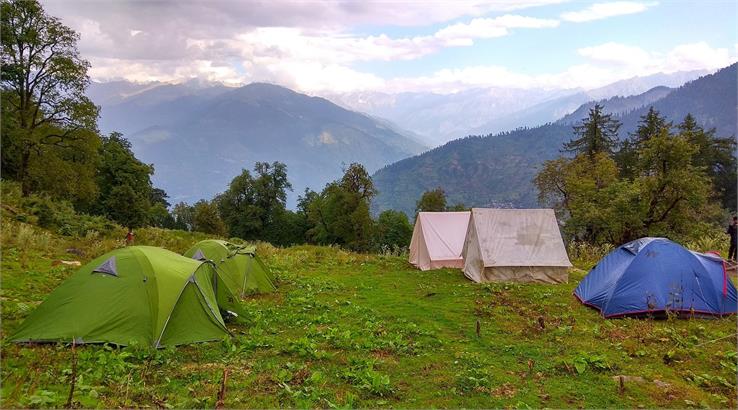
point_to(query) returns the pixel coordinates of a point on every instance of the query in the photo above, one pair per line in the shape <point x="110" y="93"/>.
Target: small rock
<point x="67" y="263"/>
<point x="663" y="385"/>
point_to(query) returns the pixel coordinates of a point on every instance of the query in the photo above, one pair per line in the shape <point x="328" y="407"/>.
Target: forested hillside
<point x="498" y="169"/>
<point x="711" y="99"/>
<point x="493" y="171"/>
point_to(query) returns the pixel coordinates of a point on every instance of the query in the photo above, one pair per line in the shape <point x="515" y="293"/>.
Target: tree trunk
<point x="23" y="172"/>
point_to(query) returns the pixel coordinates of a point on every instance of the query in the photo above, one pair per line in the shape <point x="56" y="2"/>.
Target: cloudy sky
<point x="384" y="45"/>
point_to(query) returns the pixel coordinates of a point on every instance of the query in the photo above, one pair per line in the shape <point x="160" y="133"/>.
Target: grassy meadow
<point x="355" y="330"/>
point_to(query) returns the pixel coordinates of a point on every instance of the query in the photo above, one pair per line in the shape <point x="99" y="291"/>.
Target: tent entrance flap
<point x="191" y="320"/>
<point x="438" y="240"/>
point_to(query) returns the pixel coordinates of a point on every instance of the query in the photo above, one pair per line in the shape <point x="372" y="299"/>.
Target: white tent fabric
<point x="515" y="245"/>
<point x="438" y="239"/>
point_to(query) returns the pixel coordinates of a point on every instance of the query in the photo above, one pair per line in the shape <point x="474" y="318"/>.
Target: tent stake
<point x="221" y="394"/>
<point x="73" y="376"/>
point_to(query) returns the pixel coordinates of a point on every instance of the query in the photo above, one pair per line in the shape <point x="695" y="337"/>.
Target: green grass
<point x="352" y="330"/>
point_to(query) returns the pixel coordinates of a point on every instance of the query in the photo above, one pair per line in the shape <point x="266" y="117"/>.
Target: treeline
<point x="669" y="180"/>
<point x="254" y="208"/>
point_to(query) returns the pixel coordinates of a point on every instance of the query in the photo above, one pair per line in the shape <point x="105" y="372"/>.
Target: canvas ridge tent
<point x="515" y="245"/>
<point x="656" y="275"/>
<point x="238" y="265"/>
<point x="138" y="294"/>
<point x="438" y="239"/>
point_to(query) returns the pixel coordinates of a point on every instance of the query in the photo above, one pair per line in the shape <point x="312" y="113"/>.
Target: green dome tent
<point x="239" y="266"/>
<point x="137" y="294"/>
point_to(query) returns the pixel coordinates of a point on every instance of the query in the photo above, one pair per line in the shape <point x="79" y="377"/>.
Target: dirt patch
<point x="506" y="390"/>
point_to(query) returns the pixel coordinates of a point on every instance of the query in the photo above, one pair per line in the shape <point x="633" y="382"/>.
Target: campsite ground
<point x="352" y="330"/>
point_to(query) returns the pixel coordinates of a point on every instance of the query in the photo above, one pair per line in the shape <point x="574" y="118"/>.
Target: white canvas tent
<point x="438" y="239"/>
<point x="515" y="245"/>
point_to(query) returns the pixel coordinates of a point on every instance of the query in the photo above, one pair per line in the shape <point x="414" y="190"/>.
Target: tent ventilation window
<point x="108" y="267"/>
<point x="199" y="256"/>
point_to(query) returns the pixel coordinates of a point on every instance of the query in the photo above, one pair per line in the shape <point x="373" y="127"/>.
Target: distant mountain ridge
<point x="480" y="111"/>
<point x="619" y="106"/>
<point x="497" y="170"/>
<point x="200" y="136"/>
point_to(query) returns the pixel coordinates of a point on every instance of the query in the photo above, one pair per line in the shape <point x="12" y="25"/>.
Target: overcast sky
<point x="443" y="45"/>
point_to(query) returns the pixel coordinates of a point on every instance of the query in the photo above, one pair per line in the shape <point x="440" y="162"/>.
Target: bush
<point x="55" y="215"/>
<point x="392" y="233"/>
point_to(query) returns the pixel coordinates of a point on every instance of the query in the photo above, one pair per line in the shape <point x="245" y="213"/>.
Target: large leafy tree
<point x="356" y="179"/>
<point x="340" y="213"/>
<point x="393" y="231"/>
<point x="124" y="183"/>
<point x="431" y="201"/>
<point x="669" y="195"/>
<point x="252" y="205"/>
<point x="205" y="218"/>
<point x="581" y="190"/>
<point x="183" y="216"/>
<point x="598" y="133"/>
<point x="43" y="82"/>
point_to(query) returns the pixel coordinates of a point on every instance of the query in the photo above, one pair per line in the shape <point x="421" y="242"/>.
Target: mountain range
<point x="497" y="170"/>
<point x="440" y="118"/>
<point x="200" y="136"/>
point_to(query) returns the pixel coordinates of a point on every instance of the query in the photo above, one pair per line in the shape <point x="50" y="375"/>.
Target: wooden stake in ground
<point x="73" y="376"/>
<point x="621" y="384"/>
<point x="221" y="394"/>
<point x="479" y="327"/>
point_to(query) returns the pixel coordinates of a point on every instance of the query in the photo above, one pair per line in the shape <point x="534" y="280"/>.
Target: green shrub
<point x="361" y="374"/>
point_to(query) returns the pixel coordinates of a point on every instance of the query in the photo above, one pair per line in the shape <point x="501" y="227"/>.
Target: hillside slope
<point x="200" y="138"/>
<point x="619" y="106"/>
<point x="364" y="331"/>
<point x="493" y="171"/>
<point x="711" y="99"/>
<point x="498" y="169"/>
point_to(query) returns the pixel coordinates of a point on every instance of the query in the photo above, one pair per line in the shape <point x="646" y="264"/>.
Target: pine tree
<point x="598" y="133"/>
<point x="716" y="155"/>
<point x="650" y="125"/>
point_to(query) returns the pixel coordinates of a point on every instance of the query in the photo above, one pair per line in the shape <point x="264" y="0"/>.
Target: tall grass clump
<point x="716" y="240"/>
<point x="583" y="253"/>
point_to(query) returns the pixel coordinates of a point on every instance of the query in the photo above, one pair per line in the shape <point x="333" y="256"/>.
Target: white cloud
<point x="683" y="57"/>
<point x="283" y="41"/>
<point x="288" y="63"/>
<point x="600" y="11"/>
<point x="606" y="63"/>
<point x="616" y="53"/>
<point x="309" y="46"/>
<point x="464" y="33"/>
<point x="695" y="56"/>
<point x="454" y="80"/>
<point x="309" y="60"/>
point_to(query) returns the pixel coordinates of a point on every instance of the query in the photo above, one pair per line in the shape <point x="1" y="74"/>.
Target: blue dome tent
<point x="656" y="275"/>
